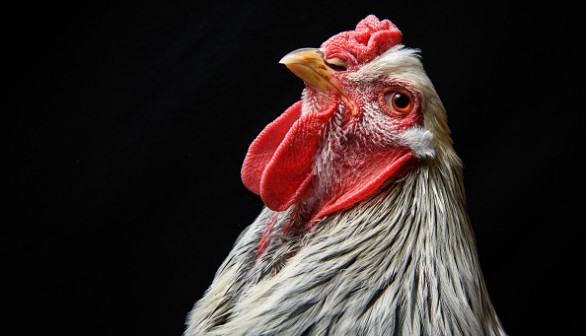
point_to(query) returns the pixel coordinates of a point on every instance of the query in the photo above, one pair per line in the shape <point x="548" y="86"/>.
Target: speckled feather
<point x="400" y="262"/>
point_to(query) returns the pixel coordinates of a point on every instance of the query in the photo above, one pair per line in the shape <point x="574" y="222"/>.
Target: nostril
<point x="336" y="64"/>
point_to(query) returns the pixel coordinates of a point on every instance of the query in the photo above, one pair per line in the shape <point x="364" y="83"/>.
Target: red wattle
<point x="278" y="165"/>
<point x="262" y="149"/>
<point x="373" y="174"/>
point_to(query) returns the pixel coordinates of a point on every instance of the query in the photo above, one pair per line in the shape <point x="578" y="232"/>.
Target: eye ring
<point x="397" y="101"/>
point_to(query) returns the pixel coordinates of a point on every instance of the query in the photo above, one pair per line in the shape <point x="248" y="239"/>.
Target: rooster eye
<point x="336" y="64"/>
<point x="397" y="102"/>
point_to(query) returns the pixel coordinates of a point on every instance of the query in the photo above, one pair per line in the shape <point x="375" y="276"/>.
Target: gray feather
<point x="402" y="262"/>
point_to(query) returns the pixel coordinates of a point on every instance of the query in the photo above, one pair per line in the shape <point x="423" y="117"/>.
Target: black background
<point x="133" y="121"/>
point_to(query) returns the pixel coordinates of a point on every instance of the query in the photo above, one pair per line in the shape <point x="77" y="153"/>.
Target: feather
<point x="401" y="260"/>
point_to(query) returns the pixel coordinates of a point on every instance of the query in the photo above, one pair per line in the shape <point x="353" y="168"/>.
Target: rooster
<point x="365" y="230"/>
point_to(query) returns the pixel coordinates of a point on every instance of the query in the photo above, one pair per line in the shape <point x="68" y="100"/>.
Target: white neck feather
<point x="403" y="260"/>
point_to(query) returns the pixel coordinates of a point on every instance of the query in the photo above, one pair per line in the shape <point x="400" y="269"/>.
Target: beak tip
<point x="289" y="58"/>
<point x="309" y="65"/>
<point x="302" y="55"/>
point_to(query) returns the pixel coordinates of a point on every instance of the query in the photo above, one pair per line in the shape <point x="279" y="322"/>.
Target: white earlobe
<point x="419" y="140"/>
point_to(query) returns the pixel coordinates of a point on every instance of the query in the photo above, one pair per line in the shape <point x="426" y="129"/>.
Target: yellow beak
<point x="309" y="65"/>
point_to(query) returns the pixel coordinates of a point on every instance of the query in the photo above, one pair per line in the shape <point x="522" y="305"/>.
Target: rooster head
<point x="368" y="114"/>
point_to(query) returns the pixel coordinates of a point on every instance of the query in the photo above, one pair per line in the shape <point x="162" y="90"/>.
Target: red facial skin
<point x="329" y="159"/>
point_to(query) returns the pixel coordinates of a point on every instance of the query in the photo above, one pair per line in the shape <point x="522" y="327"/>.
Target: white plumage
<point x="400" y="262"/>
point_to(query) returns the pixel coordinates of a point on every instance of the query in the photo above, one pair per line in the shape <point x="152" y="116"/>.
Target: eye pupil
<point x="401" y="101"/>
<point x="397" y="102"/>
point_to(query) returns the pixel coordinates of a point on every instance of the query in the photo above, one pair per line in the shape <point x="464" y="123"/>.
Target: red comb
<point x="371" y="38"/>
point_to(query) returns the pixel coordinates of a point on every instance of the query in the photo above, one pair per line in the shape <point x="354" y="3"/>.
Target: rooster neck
<point x="405" y="257"/>
<point x="421" y="209"/>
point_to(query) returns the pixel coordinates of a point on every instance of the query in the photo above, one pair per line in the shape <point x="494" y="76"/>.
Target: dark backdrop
<point x="133" y="121"/>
